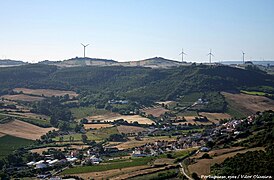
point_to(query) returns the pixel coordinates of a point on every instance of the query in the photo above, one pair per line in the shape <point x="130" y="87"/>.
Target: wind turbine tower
<point x="182" y="53"/>
<point x="210" y="54"/>
<point x="84" y="49"/>
<point x="243" y="57"/>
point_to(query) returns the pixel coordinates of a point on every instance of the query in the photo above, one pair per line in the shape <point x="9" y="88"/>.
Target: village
<point x="53" y="162"/>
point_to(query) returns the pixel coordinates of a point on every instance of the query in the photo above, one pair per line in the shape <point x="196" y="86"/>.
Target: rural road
<point x="184" y="173"/>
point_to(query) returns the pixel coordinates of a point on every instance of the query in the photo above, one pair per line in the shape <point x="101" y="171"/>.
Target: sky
<point x="127" y="30"/>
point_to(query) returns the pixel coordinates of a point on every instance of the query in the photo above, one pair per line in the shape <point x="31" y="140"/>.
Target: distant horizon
<point x="206" y="61"/>
<point x="133" y="30"/>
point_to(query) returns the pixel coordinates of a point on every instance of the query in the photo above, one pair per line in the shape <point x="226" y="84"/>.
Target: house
<point x="204" y="149"/>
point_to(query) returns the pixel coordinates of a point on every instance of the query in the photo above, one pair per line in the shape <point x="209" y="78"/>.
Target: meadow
<point x="10" y="143"/>
<point x="109" y="166"/>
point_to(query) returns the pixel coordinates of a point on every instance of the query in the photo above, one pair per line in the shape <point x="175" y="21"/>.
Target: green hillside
<point x="134" y="83"/>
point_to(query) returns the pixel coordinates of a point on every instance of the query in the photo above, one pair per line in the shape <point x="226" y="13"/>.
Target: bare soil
<point x="215" y="117"/>
<point x="130" y="129"/>
<point x="109" y="173"/>
<point x="110" y="117"/>
<point x="22" y="97"/>
<point x="135" y="143"/>
<point x="46" y="92"/>
<point x="23" y="129"/>
<point x="249" y="103"/>
<point x="97" y="126"/>
<point x="155" y="111"/>
<point x="202" y="167"/>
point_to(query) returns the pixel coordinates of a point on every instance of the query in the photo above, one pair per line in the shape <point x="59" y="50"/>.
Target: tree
<point x="84" y="138"/>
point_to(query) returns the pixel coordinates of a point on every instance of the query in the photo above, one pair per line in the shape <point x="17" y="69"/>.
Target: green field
<point x="96" y="135"/>
<point x="189" y="99"/>
<point x="105" y="167"/>
<point x="82" y="112"/>
<point x="258" y="93"/>
<point x="37" y="122"/>
<point x="165" y="174"/>
<point x="10" y="143"/>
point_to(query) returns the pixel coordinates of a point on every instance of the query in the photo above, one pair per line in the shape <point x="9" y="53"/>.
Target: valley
<point x="128" y="122"/>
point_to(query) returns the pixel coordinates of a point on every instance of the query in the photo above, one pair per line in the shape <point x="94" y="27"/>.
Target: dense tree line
<point x="53" y="107"/>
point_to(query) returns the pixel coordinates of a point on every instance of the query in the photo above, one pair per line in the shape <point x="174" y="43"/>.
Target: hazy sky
<point x="123" y="30"/>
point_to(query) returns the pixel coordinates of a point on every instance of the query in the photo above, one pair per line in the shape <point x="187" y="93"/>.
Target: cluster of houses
<point x="160" y="147"/>
<point x="117" y="101"/>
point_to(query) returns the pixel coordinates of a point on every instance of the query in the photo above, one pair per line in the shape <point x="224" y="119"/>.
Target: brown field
<point x="202" y="167"/>
<point x="110" y="173"/>
<point x="250" y="104"/>
<point x="110" y="117"/>
<point x="46" y="92"/>
<point x="22" y="97"/>
<point x="41" y="150"/>
<point x="139" y="173"/>
<point x="24" y="130"/>
<point x="155" y="111"/>
<point x="218" y="152"/>
<point x="130" y="129"/>
<point x="97" y="126"/>
<point x="215" y="117"/>
<point x="190" y="119"/>
<point x="134" y="143"/>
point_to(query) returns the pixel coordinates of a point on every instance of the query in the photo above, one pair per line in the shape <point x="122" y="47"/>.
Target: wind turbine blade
<point x="87" y="45"/>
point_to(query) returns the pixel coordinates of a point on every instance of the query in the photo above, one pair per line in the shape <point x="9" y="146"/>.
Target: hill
<point x="99" y="84"/>
<point x="8" y="62"/>
<point x="156" y="62"/>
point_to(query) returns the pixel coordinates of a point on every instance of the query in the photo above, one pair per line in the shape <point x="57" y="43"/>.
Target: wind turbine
<point x="182" y="53"/>
<point x="243" y="57"/>
<point x="210" y="54"/>
<point x="84" y="49"/>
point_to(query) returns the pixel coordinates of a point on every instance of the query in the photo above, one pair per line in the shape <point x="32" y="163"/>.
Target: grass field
<point x="157" y="175"/>
<point x="82" y="112"/>
<point x="10" y="143"/>
<point x="189" y="99"/>
<point x="105" y="167"/>
<point x="258" y="93"/>
<point x="96" y="135"/>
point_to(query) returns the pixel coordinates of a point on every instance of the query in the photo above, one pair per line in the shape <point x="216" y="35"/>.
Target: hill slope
<point x="134" y="83"/>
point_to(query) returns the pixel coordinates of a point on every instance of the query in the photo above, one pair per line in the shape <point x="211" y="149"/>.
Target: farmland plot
<point x="23" y="130"/>
<point x="46" y="92"/>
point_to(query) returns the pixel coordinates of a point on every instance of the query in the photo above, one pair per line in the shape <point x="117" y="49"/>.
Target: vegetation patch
<point x="10" y="143"/>
<point x="82" y="112"/>
<point x="105" y="167"/>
